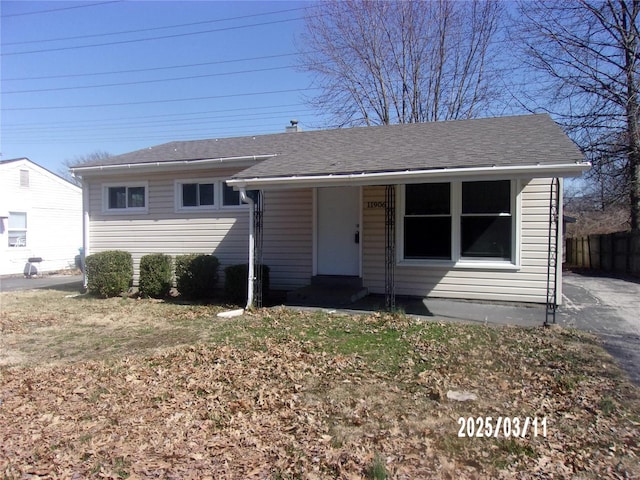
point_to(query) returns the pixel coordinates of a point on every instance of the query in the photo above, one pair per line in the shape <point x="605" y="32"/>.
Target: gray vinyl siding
<point x="223" y="232"/>
<point x="528" y="284"/>
<point x="288" y="237"/>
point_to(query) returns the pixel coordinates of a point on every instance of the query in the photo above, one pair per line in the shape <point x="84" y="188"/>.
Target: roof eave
<point x="412" y="176"/>
<point x="241" y="161"/>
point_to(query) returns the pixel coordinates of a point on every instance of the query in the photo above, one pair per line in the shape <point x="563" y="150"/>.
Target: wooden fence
<point x="614" y="252"/>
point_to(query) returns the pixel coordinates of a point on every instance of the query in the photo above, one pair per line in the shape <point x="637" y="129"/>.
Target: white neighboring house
<point x="40" y="217"/>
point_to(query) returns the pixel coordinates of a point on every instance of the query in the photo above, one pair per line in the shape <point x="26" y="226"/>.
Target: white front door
<point x="338" y="231"/>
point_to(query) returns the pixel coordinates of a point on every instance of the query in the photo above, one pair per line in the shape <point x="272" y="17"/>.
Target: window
<point x="126" y="198"/>
<point x="205" y="194"/>
<point x="458" y="222"/>
<point x="485" y="222"/>
<point x="230" y="197"/>
<point x="17" y="229"/>
<point x="427" y="221"/>
<point x="24" y="178"/>
<point x="198" y="195"/>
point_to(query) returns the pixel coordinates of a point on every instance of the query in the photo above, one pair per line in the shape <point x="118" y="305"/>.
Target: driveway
<point x="12" y="283"/>
<point x="608" y="307"/>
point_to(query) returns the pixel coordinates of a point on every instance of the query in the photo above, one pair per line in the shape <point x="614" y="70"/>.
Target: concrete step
<point x="337" y="281"/>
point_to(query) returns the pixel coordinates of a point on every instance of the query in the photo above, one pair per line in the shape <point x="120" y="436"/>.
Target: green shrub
<point x="235" y="283"/>
<point x="196" y="275"/>
<point x="156" y="275"/>
<point x="109" y="273"/>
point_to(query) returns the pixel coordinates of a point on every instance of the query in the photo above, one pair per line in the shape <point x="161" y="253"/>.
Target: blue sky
<point x="116" y="76"/>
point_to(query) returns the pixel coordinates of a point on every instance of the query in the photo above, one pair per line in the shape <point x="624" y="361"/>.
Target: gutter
<point x="412" y="176"/>
<point x="252" y="246"/>
<point x="169" y="164"/>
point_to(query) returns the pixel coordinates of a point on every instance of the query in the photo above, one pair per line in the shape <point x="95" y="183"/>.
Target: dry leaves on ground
<point x="304" y="395"/>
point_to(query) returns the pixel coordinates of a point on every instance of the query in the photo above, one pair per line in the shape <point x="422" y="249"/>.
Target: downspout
<point x="252" y="245"/>
<point x="85" y="231"/>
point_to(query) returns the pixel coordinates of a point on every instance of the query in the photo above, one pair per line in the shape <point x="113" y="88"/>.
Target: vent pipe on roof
<point x="293" y="128"/>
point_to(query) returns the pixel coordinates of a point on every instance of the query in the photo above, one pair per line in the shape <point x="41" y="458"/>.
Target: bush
<point x="156" y="276"/>
<point x="235" y="282"/>
<point x="196" y="275"/>
<point x="109" y="273"/>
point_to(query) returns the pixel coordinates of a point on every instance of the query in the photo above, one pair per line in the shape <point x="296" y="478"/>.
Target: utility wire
<point x="146" y="102"/>
<point x="251" y="109"/>
<point x="151" y="69"/>
<point x="140" y="30"/>
<point x="37" y="12"/>
<point x="147" y="39"/>
<point x="140" y="82"/>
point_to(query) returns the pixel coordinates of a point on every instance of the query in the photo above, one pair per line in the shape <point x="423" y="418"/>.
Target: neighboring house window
<point x="24" y="178"/>
<point x="458" y="222"/>
<point x="126" y="198"/>
<point x="17" y="229"/>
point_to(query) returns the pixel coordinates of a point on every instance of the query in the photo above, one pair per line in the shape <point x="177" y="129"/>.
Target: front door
<point x="338" y="231"/>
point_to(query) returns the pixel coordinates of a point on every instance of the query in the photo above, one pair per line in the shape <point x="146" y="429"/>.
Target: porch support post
<point x="250" y="280"/>
<point x="257" y="257"/>
<point x="254" y="280"/>
<point x="389" y="247"/>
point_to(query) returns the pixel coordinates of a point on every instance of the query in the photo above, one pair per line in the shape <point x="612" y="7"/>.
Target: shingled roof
<point x="502" y="141"/>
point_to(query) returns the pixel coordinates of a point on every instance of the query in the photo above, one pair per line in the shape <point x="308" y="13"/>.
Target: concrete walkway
<point x="610" y="308"/>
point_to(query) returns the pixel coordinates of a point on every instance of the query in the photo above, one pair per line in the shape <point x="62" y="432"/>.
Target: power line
<point x="149" y="124"/>
<point x="178" y="25"/>
<point x="178" y="114"/>
<point x="37" y="12"/>
<point x="158" y="80"/>
<point x="147" y="39"/>
<point x="146" y="102"/>
<point x="150" y="69"/>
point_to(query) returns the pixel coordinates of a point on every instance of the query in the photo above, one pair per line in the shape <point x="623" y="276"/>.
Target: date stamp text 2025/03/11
<point x="504" y="427"/>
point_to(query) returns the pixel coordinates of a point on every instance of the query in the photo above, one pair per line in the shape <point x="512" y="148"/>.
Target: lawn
<point x="129" y="388"/>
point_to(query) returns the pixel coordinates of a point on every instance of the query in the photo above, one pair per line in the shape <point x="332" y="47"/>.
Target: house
<point x="40" y="219"/>
<point x="462" y="209"/>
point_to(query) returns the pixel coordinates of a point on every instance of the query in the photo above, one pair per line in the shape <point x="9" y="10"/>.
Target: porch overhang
<point x="412" y="176"/>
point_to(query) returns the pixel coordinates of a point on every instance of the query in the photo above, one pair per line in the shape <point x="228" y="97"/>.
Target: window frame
<point x="457" y="260"/>
<point x="23" y="230"/>
<point x="126" y="210"/>
<point x="178" y="184"/>
<point x="218" y="196"/>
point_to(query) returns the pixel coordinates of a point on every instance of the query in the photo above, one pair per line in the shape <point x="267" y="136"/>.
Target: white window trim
<point x="199" y="208"/>
<point x="218" y="196"/>
<point x="126" y="210"/>
<point x="22" y="230"/>
<point x="457" y="261"/>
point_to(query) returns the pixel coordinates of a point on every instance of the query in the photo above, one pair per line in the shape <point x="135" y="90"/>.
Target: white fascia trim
<point x="249" y="160"/>
<point x="413" y="176"/>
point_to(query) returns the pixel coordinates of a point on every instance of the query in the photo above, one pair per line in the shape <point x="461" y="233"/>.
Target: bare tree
<point x="64" y="172"/>
<point x="589" y="53"/>
<point x="382" y="62"/>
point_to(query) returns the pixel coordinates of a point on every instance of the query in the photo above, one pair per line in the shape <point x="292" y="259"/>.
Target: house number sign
<point x="376" y="204"/>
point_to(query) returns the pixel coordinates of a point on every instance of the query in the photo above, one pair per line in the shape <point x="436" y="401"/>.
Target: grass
<point x="123" y="386"/>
